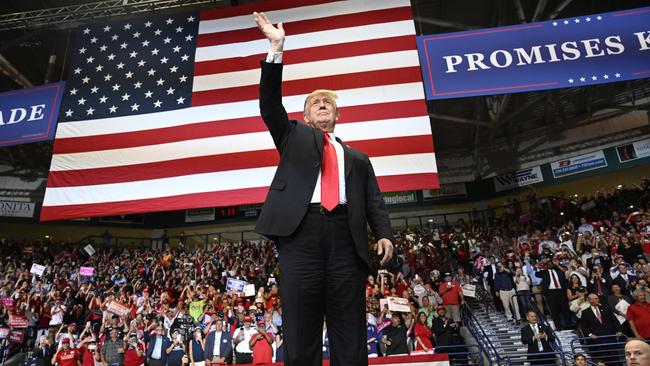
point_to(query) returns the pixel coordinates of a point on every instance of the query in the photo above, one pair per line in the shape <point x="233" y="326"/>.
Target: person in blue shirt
<point x="503" y="286"/>
<point x="371" y="332"/>
<point x="176" y="351"/>
<point x="536" y="284"/>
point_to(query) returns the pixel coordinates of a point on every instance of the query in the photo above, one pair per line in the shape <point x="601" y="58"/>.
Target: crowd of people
<point x="580" y="260"/>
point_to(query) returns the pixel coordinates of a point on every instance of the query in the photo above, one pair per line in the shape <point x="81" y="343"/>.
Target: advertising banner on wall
<point x="636" y="150"/>
<point x="446" y="191"/>
<point x="579" y="164"/>
<point x="560" y="53"/>
<point x="199" y="215"/>
<point x="396" y="198"/>
<point x="520" y="178"/>
<point x="16" y="208"/>
<point x="29" y="115"/>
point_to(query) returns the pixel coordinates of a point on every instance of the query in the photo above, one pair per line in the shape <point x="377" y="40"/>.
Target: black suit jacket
<point x="301" y="149"/>
<point x="546" y="278"/>
<point x="591" y="325"/>
<point x="625" y="286"/>
<point x="527" y="335"/>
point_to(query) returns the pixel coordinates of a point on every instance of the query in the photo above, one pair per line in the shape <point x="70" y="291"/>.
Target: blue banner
<point x="29" y="115"/>
<point x="585" y="50"/>
<point x="579" y="164"/>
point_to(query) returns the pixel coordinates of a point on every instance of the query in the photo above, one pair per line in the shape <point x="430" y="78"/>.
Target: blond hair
<point x="331" y="94"/>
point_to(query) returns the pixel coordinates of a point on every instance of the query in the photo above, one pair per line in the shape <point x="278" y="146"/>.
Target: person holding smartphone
<point x="176" y="350"/>
<point x="196" y="348"/>
<point x="261" y="343"/>
<point x="134" y="354"/>
<point x="156" y="352"/>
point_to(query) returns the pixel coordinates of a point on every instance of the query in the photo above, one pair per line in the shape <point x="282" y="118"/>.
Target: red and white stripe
<point x="219" y="152"/>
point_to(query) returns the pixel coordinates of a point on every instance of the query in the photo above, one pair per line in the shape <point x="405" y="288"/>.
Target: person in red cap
<point x="261" y="343"/>
<point x="66" y="356"/>
<point x="243" y="351"/>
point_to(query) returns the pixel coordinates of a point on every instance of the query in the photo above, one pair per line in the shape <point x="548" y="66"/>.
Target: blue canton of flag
<point x="131" y="67"/>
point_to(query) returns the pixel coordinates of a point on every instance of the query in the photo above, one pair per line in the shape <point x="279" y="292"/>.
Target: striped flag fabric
<point x="162" y="113"/>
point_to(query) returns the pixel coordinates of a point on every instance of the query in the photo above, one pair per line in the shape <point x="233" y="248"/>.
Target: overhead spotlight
<point x="430" y="220"/>
<point x="561" y="213"/>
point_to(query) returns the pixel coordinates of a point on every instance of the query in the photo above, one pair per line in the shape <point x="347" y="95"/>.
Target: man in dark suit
<point x="320" y="201"/>
<point x="599" y="323"/>
<point x="554" y="288"/>
<point x="489" y="274"/>
<point x="538" y="337"/>
<point x="624" y="279"/>
<point x="156" y="353"/>
<point x="218" y="345"/>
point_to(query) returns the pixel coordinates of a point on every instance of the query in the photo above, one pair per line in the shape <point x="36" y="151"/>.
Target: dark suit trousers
<point x="322" y="276"/>
<point x="558" y="306"/>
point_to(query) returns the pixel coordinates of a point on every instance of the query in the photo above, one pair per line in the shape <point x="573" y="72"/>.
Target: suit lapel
<point x="319" y="138"/>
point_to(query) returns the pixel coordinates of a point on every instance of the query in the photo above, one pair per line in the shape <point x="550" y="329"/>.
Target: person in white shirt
<point x="243" y="352"/>
<point x="218" y="344"/>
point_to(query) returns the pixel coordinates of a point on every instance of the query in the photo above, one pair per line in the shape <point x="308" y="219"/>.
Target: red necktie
<point x="600" y="287"/>
<point x="600" y="319"/>
<point x="329" y="185"/>
<point x="554" y="279"/>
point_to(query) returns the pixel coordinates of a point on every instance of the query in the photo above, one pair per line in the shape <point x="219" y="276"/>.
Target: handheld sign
<point x="469" y="290"/>
<point x="86" y="271"/>
<point x="398" y="304"/>
<point x="37" y="269"/>
<point x="118" y="308"/>
<point x="233" y="284"/>
<point x="249" y="290"/>
<point x="90" y="250"/>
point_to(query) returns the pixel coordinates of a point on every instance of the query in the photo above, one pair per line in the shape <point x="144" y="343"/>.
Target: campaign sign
<point x="7" y="303"/>
<point x="29" y="115"/>
<point x="16" y="336"/>
<point x="398" y="304"/>
<point x="18" y="321"/>
<point x="86" y="271"/>
<point x="561" y="53"/>
<point x="233" y="284"/>
<point x="118" y="308"/>
<point x="37" y="269"/>
<point x="579" y="164"/>
<point x="4" y="332"/>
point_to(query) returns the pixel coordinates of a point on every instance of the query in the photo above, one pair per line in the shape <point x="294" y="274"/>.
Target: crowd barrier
<point x="607" y="348"/>
<point x="417" y="360"/>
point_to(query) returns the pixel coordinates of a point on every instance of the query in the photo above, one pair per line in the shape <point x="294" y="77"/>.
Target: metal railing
<point x="606" y="348"/>
<point x="482" y="338"/>
<point x="543" y="358"/>
<point x="462" y="354"/>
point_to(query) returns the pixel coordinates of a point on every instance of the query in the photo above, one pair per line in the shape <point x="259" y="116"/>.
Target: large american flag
<point x="162" y="113"/>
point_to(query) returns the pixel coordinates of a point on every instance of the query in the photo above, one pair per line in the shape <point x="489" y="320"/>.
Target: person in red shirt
<point x="134" y="355"/>
<point x="66" y="356"/>
<point x="452" y="297"/>
<point x="260" y="343"/>
<point x="422" y="334"/>
<point x="88" y="351"/>
<point x="639" y="315"/>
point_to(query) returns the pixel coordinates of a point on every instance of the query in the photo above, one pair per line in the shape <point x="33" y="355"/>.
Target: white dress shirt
<point x="216" y="351"/>
<point x="276" y="58"/>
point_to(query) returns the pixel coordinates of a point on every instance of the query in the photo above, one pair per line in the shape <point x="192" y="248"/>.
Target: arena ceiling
<point x="474" y="137"/>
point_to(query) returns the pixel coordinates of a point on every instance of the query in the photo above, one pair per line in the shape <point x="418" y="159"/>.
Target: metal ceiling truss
<point x="72" y="15"/>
